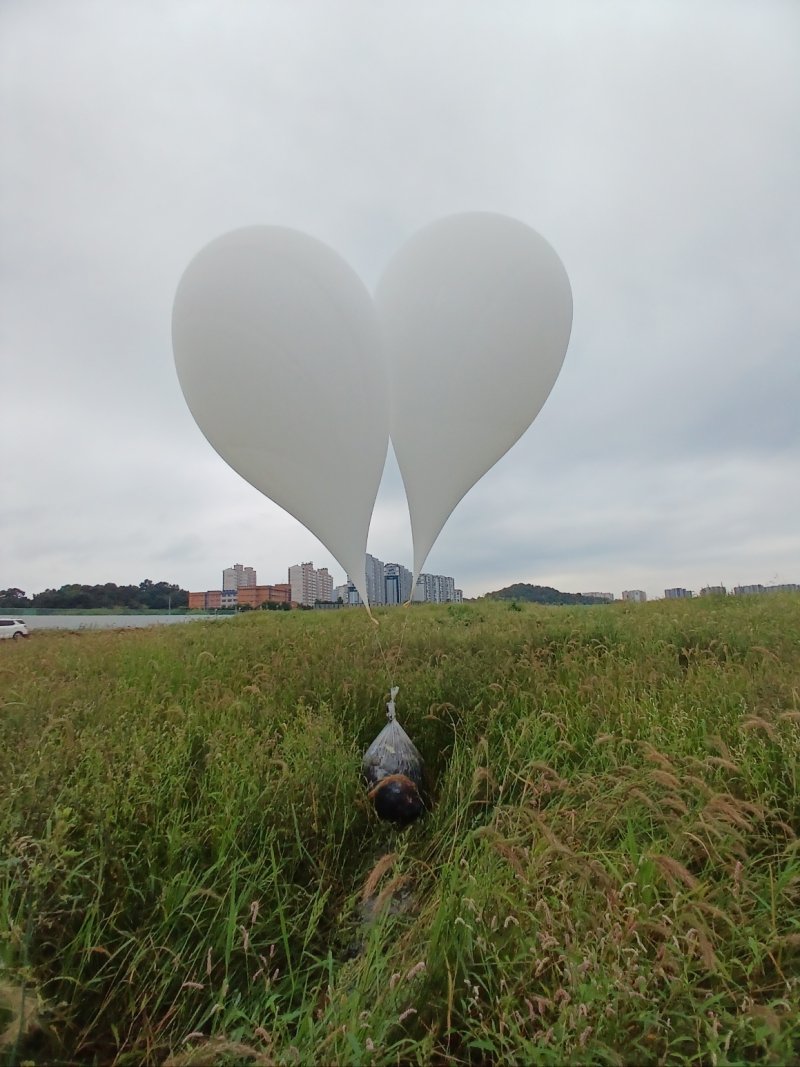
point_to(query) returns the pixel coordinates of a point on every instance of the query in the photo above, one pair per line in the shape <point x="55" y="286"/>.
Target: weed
<point x="609" y="872"/>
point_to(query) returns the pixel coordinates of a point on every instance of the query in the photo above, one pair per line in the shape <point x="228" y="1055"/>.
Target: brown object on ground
<point x="396" y="799"/>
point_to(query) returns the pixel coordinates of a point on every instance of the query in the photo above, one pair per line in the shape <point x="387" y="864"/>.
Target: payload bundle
<point x="394" y="771"/>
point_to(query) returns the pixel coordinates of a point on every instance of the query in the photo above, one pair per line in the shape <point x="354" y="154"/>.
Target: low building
<point x="248" y="596"/>
<point x="257" y="595"/>
<point x="213" y="600"/>
<point x="713" y="590"/>
<point x="634" y="596"/>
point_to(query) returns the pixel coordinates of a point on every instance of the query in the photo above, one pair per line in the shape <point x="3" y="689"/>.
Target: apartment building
<point x="239" y="577"/>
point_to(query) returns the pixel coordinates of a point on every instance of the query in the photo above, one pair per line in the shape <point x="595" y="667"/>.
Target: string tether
<point x="390" y="712"/>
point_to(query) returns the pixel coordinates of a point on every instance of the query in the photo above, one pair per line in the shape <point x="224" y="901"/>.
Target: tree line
<point x="146" y="596"/>
<point x="541" y="594"/>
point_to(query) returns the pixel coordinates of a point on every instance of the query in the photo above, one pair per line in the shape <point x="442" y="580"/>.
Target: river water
<point x="102" y="622"/>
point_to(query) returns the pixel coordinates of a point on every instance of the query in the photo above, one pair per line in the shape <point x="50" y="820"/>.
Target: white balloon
<point x="277" y="352"/>
<point x="475" y="313"/>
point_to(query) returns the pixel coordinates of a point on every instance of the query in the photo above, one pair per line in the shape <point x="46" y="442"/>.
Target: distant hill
<point x="541" y="594"/>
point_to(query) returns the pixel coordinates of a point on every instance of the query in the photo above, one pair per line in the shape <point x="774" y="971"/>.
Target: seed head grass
<point x="609" y="872"/>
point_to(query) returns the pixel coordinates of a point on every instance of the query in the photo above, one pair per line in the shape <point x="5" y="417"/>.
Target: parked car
<point x="13" y="628"/>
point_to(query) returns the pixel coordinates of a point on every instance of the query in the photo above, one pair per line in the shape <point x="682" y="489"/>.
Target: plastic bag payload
<point x="394" y="771"/>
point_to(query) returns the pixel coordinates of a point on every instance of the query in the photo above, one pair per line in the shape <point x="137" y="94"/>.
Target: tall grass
<point x="609" y="873"/>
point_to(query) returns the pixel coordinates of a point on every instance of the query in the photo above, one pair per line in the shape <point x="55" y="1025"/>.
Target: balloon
<point x="277" y="352"/>
<point x="475" y="313"/>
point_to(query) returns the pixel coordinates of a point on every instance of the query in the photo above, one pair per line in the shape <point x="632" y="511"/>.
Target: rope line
<point x="392" y="667"/>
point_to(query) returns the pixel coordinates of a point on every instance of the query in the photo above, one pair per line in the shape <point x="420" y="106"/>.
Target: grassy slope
<point x="610" y="873"/>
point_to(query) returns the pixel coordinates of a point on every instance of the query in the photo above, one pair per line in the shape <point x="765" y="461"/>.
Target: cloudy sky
<point x="656" y="145"/>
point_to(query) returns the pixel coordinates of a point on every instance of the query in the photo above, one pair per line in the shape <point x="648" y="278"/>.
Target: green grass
<point x="610" y="873"/>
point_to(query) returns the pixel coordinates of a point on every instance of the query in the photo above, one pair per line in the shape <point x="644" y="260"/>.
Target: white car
<point x="13" y="628"/>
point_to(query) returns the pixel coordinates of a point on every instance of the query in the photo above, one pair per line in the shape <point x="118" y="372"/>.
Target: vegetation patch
<point x="191" y="872"/>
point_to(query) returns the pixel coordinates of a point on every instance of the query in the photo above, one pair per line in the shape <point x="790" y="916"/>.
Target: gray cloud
<point x="654" y="145"/>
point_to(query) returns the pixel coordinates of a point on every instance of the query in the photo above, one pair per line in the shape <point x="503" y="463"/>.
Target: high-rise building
<point x="678" y="593"/>
<point x="376" y="584"/>
<point x="238" y="577"/>
<point x="713" y="590"/>
<point x="303" y="580"/>
<point x="397" y="581"/>
<point x="374" y="579"/>
<point x="635" y="596"/>
<point x="324" y="585"/>
<point x="607" y="597"/>
<point x="437" y="589"/>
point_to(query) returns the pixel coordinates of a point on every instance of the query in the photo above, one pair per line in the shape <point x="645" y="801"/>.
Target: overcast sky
<point x="656" y="145"/>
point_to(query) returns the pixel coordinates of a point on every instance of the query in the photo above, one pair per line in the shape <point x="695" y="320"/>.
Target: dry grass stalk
<point x="715" y="741"/>
<point x="555" y="842"/>
<point x="641" y="796"/>
<point x="214" y="1050"/>
<point x="384" y="864"/>
<point x="595" y="872"/>
<point x="767" y="1015"/>
<point x="755" y="722"/>
<point x="726" y="807"/>
<point x="788" y="941"/>
<point x="790" y="716"/>
<point x="705" y="949"/>
<point x="786" y="829"/>
<point x="482" y="774"/>
<point x="510" y="855"/>
<point x="389" y="890"/>
<point x="725" y="764"/>
<point x="652" y="755"/>
<point x="712" y="910"/>
<point x="676" y="804"/>
<point x="675" y="871"/>
<point x="666" y="779"/>
<point x="698" y="783"/>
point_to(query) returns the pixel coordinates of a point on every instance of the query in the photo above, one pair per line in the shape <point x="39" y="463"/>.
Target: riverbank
<point x="97" y="620"/>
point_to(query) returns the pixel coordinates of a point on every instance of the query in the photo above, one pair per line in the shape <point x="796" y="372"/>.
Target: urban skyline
<point x="378" y="574"/>
<point x="307" y="585"/>
<point x="390" y="583"/>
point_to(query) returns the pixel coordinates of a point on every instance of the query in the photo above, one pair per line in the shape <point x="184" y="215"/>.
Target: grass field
<point x="190" y="871"/>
